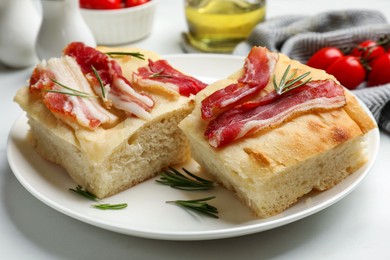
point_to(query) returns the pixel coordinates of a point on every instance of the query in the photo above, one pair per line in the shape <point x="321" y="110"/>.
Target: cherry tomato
<point x="380" y="71"/>
<point x="131" y="3"/>
<point x="349" y="71"/>
<point x="101" y="4"/>
<point x="368" y="50"/>
<point x="323" y="58"/>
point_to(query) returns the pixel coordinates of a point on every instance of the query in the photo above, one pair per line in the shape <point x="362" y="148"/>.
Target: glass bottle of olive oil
<point x="219" y="25"/>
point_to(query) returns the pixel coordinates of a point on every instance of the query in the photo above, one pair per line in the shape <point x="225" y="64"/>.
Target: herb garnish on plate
<point x="103" y="206"/>
<point x="177" y="180"/>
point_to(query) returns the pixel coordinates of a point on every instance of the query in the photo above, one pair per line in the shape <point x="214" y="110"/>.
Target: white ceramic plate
<point x="147" y="214"/>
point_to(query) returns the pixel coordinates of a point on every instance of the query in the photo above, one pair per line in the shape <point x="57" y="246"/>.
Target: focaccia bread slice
<point x="272" y="168"/>
<point x="113" y="156"/>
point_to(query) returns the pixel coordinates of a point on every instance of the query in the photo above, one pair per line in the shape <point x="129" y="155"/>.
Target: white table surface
<point x="357" y="227"/>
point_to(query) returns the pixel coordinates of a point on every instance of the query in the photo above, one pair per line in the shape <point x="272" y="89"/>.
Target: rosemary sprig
<point x="100" y="82"/>
<point x="198" y="205"/>
<point x="86" y="194"/>
<point x="103" y="206"/>
<point x="107" y="206"/>
<point x="119" y="53"/>
<point x="71" y="92"/>
<point x="288" y="83"/>
<point x="177" y="180"/>
<point x="160" y="75"/>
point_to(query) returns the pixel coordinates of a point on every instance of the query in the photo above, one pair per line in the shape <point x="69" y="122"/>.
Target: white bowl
<point x="120" y="26"/>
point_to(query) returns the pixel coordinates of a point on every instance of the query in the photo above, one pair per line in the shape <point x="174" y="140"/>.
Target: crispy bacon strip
<point x="118" y="91"/>
<point x="127" y="99"/>
<point x="40" y="78"/>
<point x="272" y="110"/>
<point x="74" y="110"/>
<point x="160" y="74"/>
<point x="258" y="68"/>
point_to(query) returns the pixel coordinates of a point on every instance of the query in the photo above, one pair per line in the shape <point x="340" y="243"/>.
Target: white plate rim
<point x="233" y="231"/>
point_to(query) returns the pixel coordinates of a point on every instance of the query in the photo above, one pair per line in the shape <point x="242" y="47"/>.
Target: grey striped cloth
<point x="300" y="36"/>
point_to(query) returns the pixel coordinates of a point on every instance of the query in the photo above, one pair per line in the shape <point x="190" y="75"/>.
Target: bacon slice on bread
<point x="77" y="111"/>
<point x="258" y="68"/>
<point x="161" y="76"/>
<point x="119" y="91"/>
<point x="272" y="110"/>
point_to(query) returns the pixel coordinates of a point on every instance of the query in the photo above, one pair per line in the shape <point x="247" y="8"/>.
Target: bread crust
<point x="251" y="166"/>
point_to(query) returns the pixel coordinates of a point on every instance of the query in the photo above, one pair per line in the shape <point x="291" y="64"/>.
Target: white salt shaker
<point x="19" y="25"/>
<point x="62" y="24"/>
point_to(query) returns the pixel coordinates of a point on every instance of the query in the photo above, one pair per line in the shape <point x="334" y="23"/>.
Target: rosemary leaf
<point x="197" y="177"/>
<point x="119" y="53"/>
<point x="284" y="76"/>
<point x="86" y="194"/>
<point x="198" y="205"/>
<point x="68" y="88"/>
<point x="292" y="86"/>
<point x="103" y="206"/>
<point x="177" y="180"/>
<point x="160" y="75"/>
<point x="71" y="92"/>
<point x="106" y="206"/>
<point x="100" y="82"/>
<point x="288" y="82"/>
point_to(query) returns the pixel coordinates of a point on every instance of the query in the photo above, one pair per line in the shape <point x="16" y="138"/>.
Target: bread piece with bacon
<point x="275" y="130"/>
<point x="89" y="113"/>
